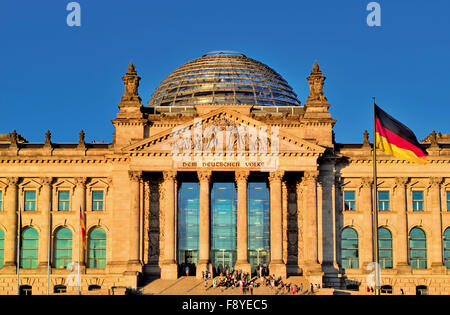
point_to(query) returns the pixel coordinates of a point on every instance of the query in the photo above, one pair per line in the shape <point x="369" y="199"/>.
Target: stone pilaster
<point x="276" y="265"/>
<point x="242" y="222"/>
<point x="134" y="262"/>
<point x="311" y="263"/>
<point x="400" y="208"/>
<point x="436" y="249"/>
<point x="45" y="207"/>
<point x="204" y="262"/>
<point x="11" y="202"/>
<point x="80" y="203"/>
<point x="169" y="269"/>
<point x="366" y="235"/>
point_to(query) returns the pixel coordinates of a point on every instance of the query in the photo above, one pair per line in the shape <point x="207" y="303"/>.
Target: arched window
<point x="417" y="249"/>
<point x="60" y="289"/>
<point x="2" y="248"/>
<point x="25" y="290"/>
<point x="63" y="248"/>
<point x="421" y="290"/>
<point x="385" y="248"/>
<point x="30" y="245"/>
<point x="97" y="249"/>
<point x="386" y="289"/>
<point x="447" y="248"/>
<point x="94" y="287"/>
<point x="349" y="249"/>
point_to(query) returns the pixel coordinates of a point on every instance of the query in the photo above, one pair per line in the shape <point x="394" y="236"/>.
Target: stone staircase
<point x="193" y="286"/>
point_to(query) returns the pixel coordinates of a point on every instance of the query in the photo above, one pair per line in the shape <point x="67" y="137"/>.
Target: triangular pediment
<point x="232" y="125"/>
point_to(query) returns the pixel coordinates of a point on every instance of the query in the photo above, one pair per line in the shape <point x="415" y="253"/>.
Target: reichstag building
<point x="224" y="168"/>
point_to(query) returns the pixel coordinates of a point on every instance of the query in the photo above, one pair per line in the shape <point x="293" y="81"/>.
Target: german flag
<point x="394" y="138"/>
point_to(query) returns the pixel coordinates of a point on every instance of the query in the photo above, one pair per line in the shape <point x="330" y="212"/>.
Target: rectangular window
<point x="30" y="200"/>
<point x="1" y="200"/>
<point x="383" y="200"/>
<point x="349" y="201"/>
<point x="63" y="200"/>
<point x="448" y="200"/>
<point x="97" y="200"/>
<point x="417" y="197"/>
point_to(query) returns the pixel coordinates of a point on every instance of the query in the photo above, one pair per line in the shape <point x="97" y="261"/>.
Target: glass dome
<point x="224" y="77"/>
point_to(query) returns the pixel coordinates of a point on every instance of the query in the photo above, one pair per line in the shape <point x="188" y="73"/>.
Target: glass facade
<point x="188" y="224"/>
<point x="223" y="226"/>
<point x="258" y="209"/>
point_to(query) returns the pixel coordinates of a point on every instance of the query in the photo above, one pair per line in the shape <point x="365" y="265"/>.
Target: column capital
<point x="276" y="176"/>
<point x="241" y="176"/>
<point x="169" y="175"/>
<point x="204" y="176"/>
<point x="80" y="181"/>
<point x="401" y="181"/>
<point x="46" y="181"/>
<point x="366" y="182"/>
<point x="135" y="176"/>
<point x="12" y="181"/>
<point x="435" y="182"/>
<point x="311" y="175"/>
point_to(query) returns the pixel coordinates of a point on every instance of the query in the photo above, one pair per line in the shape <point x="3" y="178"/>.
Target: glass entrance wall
<point x="223" y="226"/>
<point x="258" y="209"/>
<point x="188" y="225"/>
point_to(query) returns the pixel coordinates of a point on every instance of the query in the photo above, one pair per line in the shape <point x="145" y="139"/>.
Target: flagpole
<point x="375" y="207"/>
<point x="79" y="257"/>
<point x="49" y="246"/>
<point x="19" y="223"/>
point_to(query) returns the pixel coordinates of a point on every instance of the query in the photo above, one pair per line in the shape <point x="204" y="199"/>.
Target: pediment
<point x="224" y="128"/>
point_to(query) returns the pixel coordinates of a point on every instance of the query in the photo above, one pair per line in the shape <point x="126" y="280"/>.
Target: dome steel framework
<point x="224" y="77"/>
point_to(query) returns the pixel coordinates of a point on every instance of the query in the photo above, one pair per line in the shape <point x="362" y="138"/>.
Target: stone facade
<point x="139" y="179"/>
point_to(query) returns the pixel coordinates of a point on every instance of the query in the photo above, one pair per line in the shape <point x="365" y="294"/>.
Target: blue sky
<point x="67" y="79"/>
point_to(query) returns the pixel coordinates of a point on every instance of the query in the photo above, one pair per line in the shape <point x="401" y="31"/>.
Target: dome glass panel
<point x="224" y="78"/>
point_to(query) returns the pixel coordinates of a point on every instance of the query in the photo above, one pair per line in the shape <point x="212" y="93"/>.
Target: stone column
<point x="11" y="202"/>
<point x="365" y="236"/>
<point x="312" y="267"/>
<point x="435" y="247"/>
<point x="204" y="260"/>
<point x="45" y="199"/>
<point x="169" y="269"/>
<point x="276" y="266"/>
<point x="400" y="208"/>
<point x="242" y="222"/>
<point x="134" y="262"/>
<point x="80" y="202"/>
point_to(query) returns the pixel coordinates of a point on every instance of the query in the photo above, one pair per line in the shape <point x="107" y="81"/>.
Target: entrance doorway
<point x="222" y="260"/>
<point x="258" y="258"/>
<point x="187" y="261"/>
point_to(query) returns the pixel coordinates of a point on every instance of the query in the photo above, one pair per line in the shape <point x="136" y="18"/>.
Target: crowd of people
<point x="246" y="283"/>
